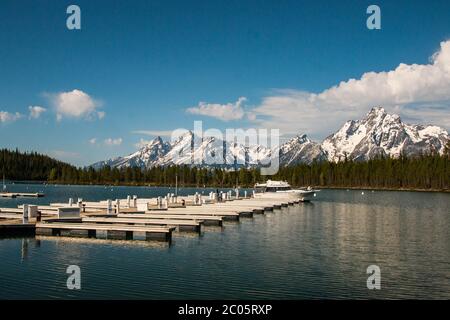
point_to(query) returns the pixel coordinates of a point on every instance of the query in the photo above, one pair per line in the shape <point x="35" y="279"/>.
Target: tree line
<point x="430" y="171"/>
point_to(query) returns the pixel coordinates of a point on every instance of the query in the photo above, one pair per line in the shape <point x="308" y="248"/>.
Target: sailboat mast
<point x="176" y="185"/>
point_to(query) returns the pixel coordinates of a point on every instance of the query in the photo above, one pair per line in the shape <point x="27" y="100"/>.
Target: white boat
<point x="282" y="189"/>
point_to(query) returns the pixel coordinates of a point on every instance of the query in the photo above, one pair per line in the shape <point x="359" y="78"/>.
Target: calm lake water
<point x="310" y="251"/>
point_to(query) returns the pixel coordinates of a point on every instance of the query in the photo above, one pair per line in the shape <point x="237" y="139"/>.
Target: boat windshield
<point x="274" y="189"/>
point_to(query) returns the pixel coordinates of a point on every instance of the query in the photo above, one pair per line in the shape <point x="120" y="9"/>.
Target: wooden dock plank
<point x="181" y="225"/>
<point x="207" y="220"/>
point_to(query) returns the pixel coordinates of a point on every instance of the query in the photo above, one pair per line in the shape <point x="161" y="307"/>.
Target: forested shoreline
<point x="426" y="172"/>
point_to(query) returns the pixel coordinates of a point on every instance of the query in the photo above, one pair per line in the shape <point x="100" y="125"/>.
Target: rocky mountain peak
<point x="379" y="133"/>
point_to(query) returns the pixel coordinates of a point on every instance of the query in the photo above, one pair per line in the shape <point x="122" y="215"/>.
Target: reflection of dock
<point x="137" y="219"/>
<point x="21" y="195"/>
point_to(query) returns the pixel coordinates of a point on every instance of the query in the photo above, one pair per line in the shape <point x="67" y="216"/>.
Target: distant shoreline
<point x="386" y="189"/>
<point x="231" y="187"/>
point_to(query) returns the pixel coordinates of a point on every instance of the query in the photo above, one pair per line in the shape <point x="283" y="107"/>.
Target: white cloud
<point x="412" y="90"/>
<point x="101" y="114"/>
<point x="75" y="104"/>
<point x="6" y="116"/>
<point x="224" y="112"/>
<point x="154" y="133"/>
<point x="113" y="142"/>
<point x="36" y="111"/>
<point x="93" y="141"/>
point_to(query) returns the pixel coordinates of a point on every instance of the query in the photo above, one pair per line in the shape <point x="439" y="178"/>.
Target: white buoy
<point x="362" y="193"/>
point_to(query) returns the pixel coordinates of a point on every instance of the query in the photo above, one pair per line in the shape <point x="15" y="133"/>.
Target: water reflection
<point x="62" y="242"/>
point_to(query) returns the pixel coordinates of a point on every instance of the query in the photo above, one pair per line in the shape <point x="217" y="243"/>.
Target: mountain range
<point x="378" y="134"/>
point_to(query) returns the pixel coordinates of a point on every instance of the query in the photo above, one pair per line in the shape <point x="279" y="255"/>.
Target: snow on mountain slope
<point x="300" y="149"/>
<point x="380" y="133"/>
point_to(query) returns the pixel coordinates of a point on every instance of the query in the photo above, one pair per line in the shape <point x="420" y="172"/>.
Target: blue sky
<point x="146" y="65"/>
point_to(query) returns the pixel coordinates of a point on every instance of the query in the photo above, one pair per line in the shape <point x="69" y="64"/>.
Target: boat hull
<point x="292" y="194"/>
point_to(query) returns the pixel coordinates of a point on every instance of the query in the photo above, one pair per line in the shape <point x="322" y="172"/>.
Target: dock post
<point x="237" y="193"/>
<point x="117" y="206"/>
<point x="134" y="201"/>
<point x="108" y="206"/>
<point x="32" y="211"/>
<point x="25" y="214"/>
<point x="129" y="201"/>
<point x="159" y="202"/>
<point x="245" y="194"/>
<point x="70" y="202"/>
<point x="80" y="203"/>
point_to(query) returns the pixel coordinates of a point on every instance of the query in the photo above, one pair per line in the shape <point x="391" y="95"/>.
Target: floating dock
<point x="104" y="231"/>
<point x="21" y="195"/>
<point x="133" y="218"/>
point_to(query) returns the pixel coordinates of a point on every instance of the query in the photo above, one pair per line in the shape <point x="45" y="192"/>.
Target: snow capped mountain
<point x="190" y="149"/>
<point x="142" y="158"/>
<point x="300" y="149"/>
<point x="380" y="133"/>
